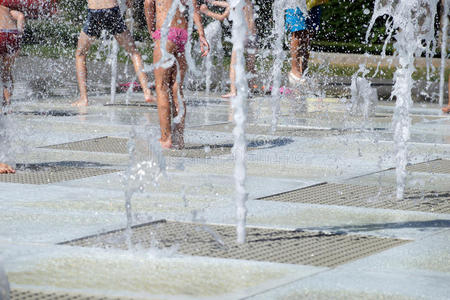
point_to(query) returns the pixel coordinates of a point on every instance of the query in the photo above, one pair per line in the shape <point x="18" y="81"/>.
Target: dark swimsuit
<point x="9" y="41"/>
<point x="109" y="19"/>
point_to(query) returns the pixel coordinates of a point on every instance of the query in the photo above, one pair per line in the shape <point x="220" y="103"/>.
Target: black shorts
<point x="109" y="19"/>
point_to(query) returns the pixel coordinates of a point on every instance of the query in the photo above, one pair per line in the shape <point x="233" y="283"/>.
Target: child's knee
<point x="80" y="52"/>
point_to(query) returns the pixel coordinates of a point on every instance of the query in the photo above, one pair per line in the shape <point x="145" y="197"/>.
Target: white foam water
<point x="239" y="33"/>
<point x="411" y="23"/>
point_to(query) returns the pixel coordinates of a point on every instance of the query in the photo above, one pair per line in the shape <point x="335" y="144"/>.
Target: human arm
<point x="220" y="3"/>
<point x="20" y="19"/>
<point x="220" y="17"/>
<point x="248" y="13"/>
<point x="149" y="11"/>
<point x="204" y="46"/>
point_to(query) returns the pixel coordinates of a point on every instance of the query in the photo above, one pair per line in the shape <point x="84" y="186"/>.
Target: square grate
<point x="281" y="130"/>
<point x="268" y="245"/>
<point x="102" y="144"/>
<point x="32" y="295"/>
<point x="51" y="173"/>
<point x="52" y="113"/>
<point x="439" y="166"/>
<point x="366" y="196"/>
<point x="119" y="145"/>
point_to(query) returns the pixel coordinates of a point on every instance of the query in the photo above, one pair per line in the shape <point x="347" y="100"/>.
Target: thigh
<point x="162" y="75"/>
<point x="126" y="41"/>
<point x="182" y="67"/>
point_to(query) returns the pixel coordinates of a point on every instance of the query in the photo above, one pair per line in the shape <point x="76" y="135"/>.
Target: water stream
<point x="239" y="33"/>
<point x="279" y="55"/>
<point x="443" y="52"/>
<point x="410" y="22"/>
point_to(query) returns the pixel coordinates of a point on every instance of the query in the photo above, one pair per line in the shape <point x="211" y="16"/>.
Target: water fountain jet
<point x="410" y="23"/>
<point x="239" y="33"/>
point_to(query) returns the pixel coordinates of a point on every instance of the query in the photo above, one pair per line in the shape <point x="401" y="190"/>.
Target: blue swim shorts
<point x="296" y="21"/>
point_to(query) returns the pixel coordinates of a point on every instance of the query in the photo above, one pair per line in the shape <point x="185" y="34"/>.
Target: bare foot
<point x="229" y="95"/>
<point x="446" y="109"/>
<point x="4" y="169"/>
<point x="150" y="99"/>
<point x="167" y="144"/>
<point x="80" y="102"/>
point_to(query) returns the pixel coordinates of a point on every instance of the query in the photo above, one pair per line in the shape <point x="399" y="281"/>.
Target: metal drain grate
<point x="103" y="144"/>
<point x="133" y="104"/>
<point x="269" y="245"/>
<point x="31" y="295"/>
<point x="119" y="145"/>
<point x="52" y="113"/>
<point x="440" y="166"/>
<point x="281" y="130"/>
<point x="46" y="174"/>
<point x="366" y="196"/>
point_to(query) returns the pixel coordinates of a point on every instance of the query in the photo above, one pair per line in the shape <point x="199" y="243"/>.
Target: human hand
<point x="203" y="8"/>
<point x="129" y="3"/>
<point x="204" y="46"/>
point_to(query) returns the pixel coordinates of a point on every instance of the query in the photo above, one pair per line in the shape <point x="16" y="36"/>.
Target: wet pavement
<point x="317" y="144"/>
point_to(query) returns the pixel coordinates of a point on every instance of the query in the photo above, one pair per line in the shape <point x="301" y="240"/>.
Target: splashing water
<point x="113" y="59"/>
<point x="278" y="34"/>
<point x="411" y="24"/>
<point x="240" y="116"/>
<point x="364" y="96"/>
<point x="443" y="52"/>
<point x="129" y="21"/>
<point x="147" y="165"/>
<point x="213" y="34"/>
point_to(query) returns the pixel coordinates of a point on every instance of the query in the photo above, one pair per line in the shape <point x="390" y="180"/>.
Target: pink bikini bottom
<point x="178" y="36"/>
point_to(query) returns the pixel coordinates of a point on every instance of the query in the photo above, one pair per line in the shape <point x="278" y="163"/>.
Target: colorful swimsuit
<point x="9" y="41"/>
<point x="109" y="19"/>
<point x="296" y="21"/>
<point x="178" y="36"/>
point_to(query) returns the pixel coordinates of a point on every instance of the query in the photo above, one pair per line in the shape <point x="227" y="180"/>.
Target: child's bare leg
<point x="4" y="168"/>
<point x="84" y="43"/>
<point x="126" y="41"/>
<point x="177" y="90"/>
<point x="7" y="79"/>
<point x="299" y="45"/>
<point x="162" y="80"/>
<point x="251" y="68"/>
<point x="232" y="92"/>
